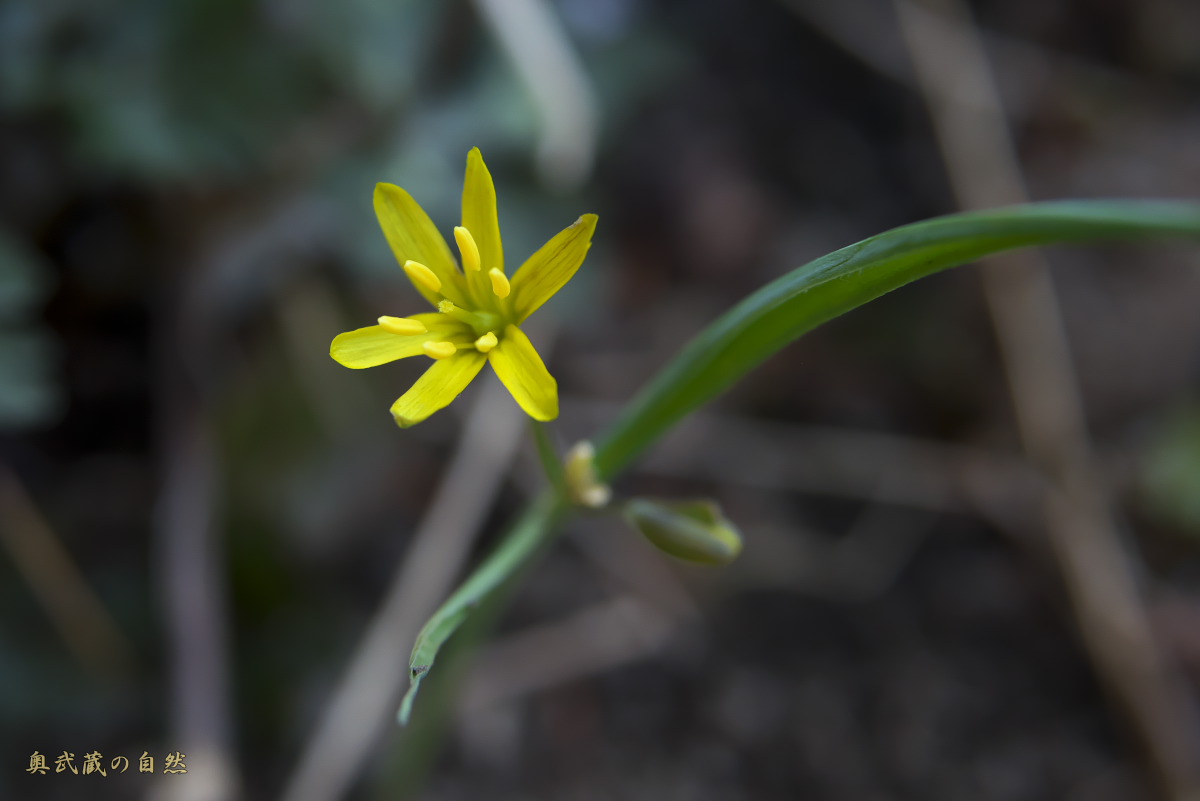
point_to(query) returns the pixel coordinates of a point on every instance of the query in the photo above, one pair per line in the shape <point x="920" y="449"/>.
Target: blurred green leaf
<point x="28" y="394"/>
<point x="374" y="47"/>
<point x="1170" y="474"/>
<point x="25" y="279"/>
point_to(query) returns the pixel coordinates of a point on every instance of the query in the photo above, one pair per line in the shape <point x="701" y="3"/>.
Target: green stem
<point x="548" y="455"/>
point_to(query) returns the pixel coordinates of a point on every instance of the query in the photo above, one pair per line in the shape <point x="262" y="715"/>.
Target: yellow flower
<point x="479" y="309"/>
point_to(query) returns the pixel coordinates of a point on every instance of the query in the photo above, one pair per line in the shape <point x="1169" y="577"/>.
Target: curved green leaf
<point x="794" y="304"/>
<point x="526" y="537"/>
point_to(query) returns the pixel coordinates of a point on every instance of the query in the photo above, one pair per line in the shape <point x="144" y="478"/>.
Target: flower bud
<point x="694" y="531"/>
<point x="583" y="488"/>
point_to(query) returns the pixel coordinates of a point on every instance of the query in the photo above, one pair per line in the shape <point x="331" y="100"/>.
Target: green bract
<point x="694" y="531"/>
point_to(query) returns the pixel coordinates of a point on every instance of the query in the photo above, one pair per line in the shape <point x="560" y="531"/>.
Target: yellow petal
<point x="525" y="375"/>
<point x="440" y="385"/>
<point x="414" y="237"/>
<point x="374" y="345"/>
<point x="479" y="212"/>
<point x="546" y="271"/>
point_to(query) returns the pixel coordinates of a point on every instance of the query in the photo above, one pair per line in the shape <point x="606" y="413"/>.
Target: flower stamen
<point x="468" y="249"/>
<point x="486" y="342"/>
<point x="500" y="283"/>
<point x="420" y="274"/>
<point x="439" y="350"/>
<point x="402" y="326"/>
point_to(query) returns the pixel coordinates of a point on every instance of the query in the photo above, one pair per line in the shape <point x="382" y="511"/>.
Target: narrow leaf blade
<point x="799" y="301"/>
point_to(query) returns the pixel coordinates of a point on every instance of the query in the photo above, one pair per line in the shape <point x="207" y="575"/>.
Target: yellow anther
<point x="468" y="249"/>
<point x="420" y="274"/>
<point x="402" y="326"/>
<point x="500" y="283"/>
<point x="486" y="342"/>
<point x="439" y="350"/>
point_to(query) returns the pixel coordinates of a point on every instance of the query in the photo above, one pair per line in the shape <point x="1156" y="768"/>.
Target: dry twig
<point x="85" y="625"/>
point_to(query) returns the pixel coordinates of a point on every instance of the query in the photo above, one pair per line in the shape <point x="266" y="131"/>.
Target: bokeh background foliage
<point x="185" y="223"/>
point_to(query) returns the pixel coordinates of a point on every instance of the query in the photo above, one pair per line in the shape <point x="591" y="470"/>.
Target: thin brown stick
<point x="192" y="587"/>
<point x="879" y="467"/>
<point x="954" y="75"/>
<point x="76" y="612"/>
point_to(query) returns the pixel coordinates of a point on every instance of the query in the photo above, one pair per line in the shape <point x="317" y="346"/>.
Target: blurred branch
<point x="953" y="72"/>
<point x="600" y="637"/>
<point x="861" y="564"/>
<point x="876" y="466"/>
<point x="191" y="576"/>
<point x="540" y="50"/>
<point x="864" y="29"/>
<point x="365" y="700"/>
<point x="191" y="558"/>
<point x="629" y="567"/>
<point x="76" y="612"/>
